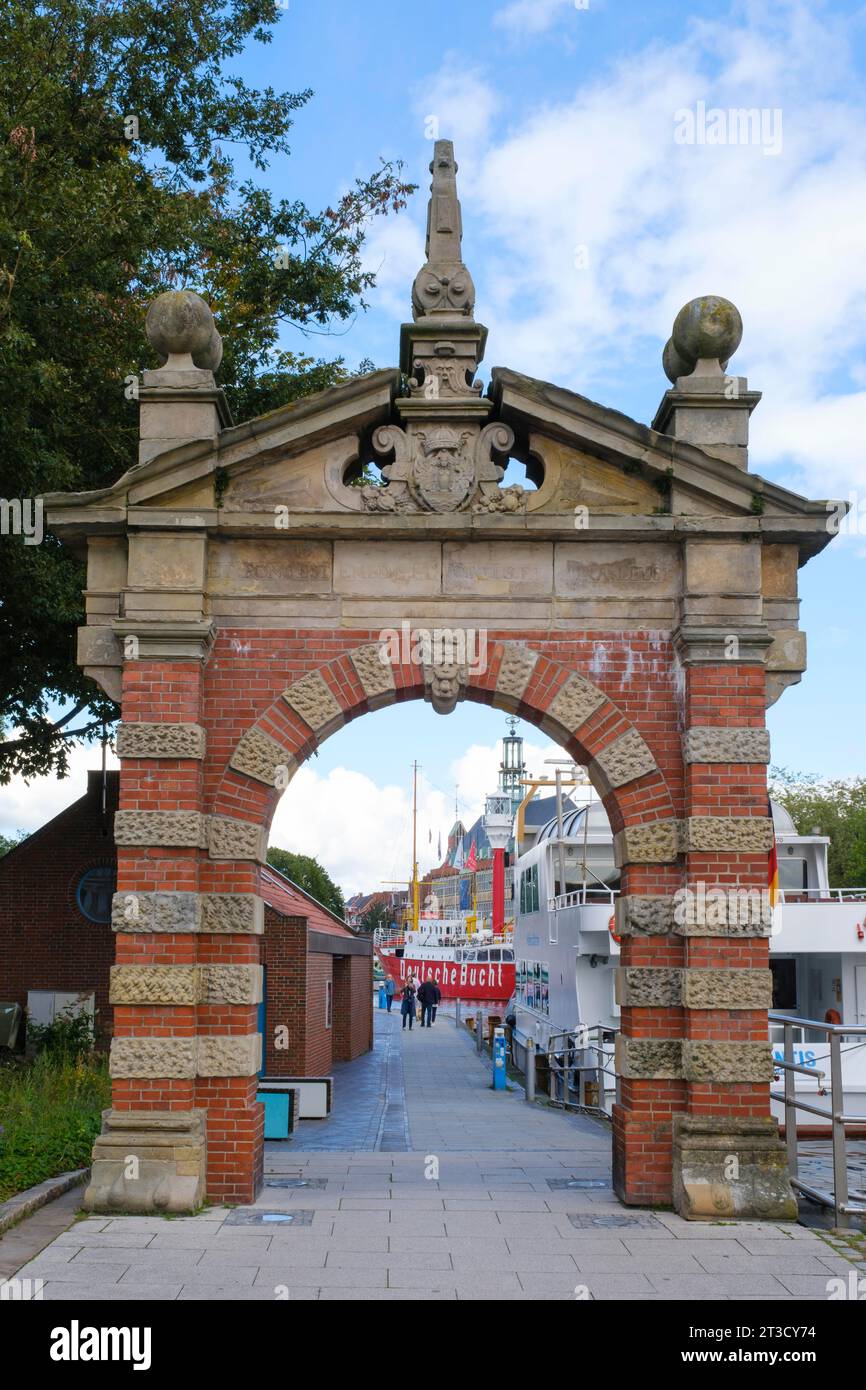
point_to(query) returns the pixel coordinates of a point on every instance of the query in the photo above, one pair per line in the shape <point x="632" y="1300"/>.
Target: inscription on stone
<point x="269" y="567"/>
<point x="588" y="570"/>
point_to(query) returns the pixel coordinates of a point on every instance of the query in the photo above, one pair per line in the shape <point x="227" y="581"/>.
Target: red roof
<point x="286" y="897"/>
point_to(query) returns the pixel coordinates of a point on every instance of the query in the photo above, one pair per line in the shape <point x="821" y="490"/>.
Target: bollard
<point x="530" y="1071"/>
<point x="479" y="1032"/>
<point x="383" y="997"/>
<point x="457" y="1013"/>
<point x="499" y="1059"/>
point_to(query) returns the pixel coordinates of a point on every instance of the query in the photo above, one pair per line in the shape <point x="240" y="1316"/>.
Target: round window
<point x="95" y="890"/>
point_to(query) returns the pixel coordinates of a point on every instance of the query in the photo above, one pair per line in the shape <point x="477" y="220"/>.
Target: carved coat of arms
<point x="439" y="467"/>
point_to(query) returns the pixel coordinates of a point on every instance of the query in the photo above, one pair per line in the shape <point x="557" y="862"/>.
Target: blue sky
<point x="586" y="227"/>
<point x="562" y="119"/>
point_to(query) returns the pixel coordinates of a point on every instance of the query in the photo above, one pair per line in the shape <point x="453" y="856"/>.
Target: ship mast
<point x="415" y="846"/>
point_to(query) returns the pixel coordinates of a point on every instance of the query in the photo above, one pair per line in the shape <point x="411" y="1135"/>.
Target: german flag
<point x="773" y="866"/>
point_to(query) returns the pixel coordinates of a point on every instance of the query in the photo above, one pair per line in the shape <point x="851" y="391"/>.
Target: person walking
<point x="390" y="991"/>
<point x="427" y="998"/>
<point x="436" y="1002"/>
<point x="407" y="1007"/>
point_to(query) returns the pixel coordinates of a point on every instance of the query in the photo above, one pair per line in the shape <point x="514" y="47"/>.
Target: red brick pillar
<point x="187" y="978"/>
<point x="728" y="1159"/>
<point x="651" y="1091"/>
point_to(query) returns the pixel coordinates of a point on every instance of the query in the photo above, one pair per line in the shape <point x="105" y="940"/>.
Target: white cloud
<point x="28" y="806"/>
<point x="662" y="222"/>
<point x="533" y="16"/>
<point x="362" y="832"/>
<point x="394" y="252"/>
<point x="457" y="103"/>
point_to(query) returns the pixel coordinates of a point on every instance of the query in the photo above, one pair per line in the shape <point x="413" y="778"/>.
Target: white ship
<point x="566" y="955"/>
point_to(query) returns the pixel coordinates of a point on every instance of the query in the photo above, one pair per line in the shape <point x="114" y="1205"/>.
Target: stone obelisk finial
<point x="443" y="286"/>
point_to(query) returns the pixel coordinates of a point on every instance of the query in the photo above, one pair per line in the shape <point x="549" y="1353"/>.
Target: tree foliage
<point x="8" y="842"/>
<point x="835" y="807"/>
<point x="120" y="127"/>
<point x="309" y="874"/>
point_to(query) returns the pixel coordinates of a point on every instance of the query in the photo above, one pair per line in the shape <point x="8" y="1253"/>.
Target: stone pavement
<point x="466" y="1193"/>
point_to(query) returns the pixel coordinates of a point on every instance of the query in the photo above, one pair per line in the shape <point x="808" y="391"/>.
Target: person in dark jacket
<point x="436" y="1002"/>
<point x="407" y="1006"/>
<point x="427" y="998"/>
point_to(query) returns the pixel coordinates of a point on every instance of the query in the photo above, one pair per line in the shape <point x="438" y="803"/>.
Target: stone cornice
<point x="168" y="641"/>
<point x="698" y="645"/>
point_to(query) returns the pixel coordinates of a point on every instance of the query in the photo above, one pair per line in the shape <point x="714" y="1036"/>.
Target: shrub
<point x="50" y="1114"/>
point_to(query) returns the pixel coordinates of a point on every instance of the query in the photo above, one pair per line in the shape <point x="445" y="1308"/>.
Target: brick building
<point x="56" y="887"/>
<point x="57" y="943"/>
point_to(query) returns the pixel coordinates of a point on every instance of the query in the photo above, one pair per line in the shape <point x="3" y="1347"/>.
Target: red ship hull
<point x="480" y="982"/>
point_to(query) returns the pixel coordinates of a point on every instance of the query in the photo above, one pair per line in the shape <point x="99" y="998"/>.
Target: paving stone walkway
<point x="451" y="1191"/>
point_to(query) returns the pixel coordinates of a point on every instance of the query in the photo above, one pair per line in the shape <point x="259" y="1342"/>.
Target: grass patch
<point x="50" y="1113"/>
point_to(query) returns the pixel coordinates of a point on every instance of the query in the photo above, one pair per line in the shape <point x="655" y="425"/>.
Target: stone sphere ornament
<point x="674" y="365"/>
<point x="707" y="327"/>
<point x="212" y="356"/>
<point x="179" y="322"/>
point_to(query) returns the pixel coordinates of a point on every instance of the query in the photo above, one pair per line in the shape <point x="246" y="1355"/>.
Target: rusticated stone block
<point x="724" y="929"/>
<point x="638" y="1058"/>
<point x="230" y="1056"/>
<point x="708" y="1185"/>
<point x="707" y="745"/>
<point x="625" y="759"/>
<point x="177" y="829"/>
<point x="373" y="670"/>
<point x="734" y="834"/>
<point x="727" y="1062"/>
<point x="151" y="1058"/>
<point x="240" y="914"/>
<point x="232" y="984"/>
<point x="155" y="984"/>
<point x="515" y="669"/>
<point x="171" y="1154"/>
<point x="727" y="989"/>
<point x="236" y="839"/>
<point x="575" y="702"/>
<point x="638" y="915"/>
<point x="311" y="698"/>
<point x="648" y="987"/>
<point x="156" y="912"/>
<point x="160" y="741"/>
<point x="262" y="757"/>
<point x="654" y="842"/>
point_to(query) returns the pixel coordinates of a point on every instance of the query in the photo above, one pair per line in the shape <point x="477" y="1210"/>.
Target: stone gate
<point x="638" y="604"/>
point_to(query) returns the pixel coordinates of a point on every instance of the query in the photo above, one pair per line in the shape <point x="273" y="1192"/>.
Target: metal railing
<point x="822" y="895"/>
<point x="839" y="1198"/>
<point x="562" y="1063"/>
<point x="583" y="897"/>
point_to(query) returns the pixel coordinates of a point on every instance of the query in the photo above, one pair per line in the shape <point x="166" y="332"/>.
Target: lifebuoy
<point x="611" y="926"/>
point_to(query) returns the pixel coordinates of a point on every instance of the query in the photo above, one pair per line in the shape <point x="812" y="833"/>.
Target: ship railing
<point x="566" y="1056"/>
<point x="583" y="897"/>
<point x="845" y="1202"/>
<point x="822" y="895"/>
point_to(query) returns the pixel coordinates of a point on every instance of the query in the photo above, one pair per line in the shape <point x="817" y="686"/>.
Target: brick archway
<point x="202" y="869"/>
<point x="640" y="607"/>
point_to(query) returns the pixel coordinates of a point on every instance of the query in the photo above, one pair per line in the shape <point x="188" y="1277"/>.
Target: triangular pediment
<point x="586" y="457"/>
